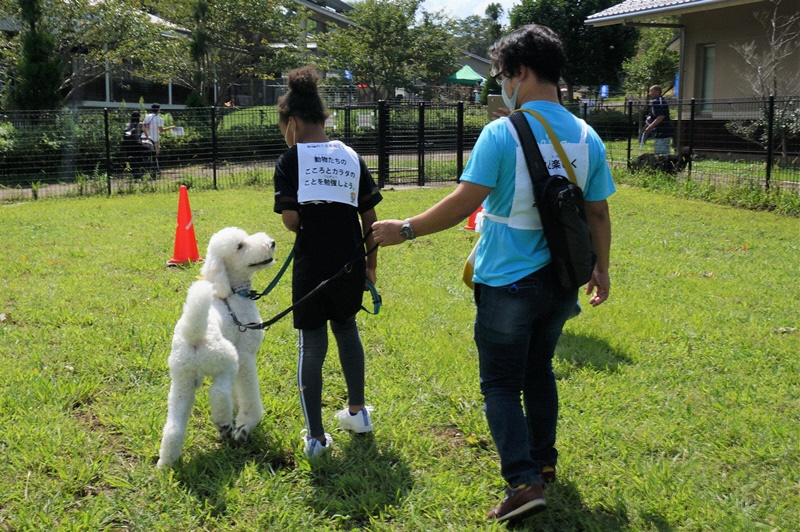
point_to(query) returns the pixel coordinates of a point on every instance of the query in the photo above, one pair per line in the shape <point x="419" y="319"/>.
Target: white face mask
<point x="294" y="134"/>
<point x="511" y="103"/>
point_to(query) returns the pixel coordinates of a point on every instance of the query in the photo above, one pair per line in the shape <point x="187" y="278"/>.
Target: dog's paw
<point x="241" y="433"/>
<point x="225" y="431"/>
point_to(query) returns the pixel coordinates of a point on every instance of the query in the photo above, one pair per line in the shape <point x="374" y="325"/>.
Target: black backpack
<point x="561" y="210"/>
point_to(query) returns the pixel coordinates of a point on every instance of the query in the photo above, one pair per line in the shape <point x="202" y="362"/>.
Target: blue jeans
<point x="662" y="145"/>
<point x="516" y="331"/>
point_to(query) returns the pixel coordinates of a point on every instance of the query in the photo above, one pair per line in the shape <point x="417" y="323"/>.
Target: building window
<point x="708" y="55"/>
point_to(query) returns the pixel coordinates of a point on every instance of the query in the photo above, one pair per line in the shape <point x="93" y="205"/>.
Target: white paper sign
<point x="328" y="171"/>
<point x="177" y="131"/>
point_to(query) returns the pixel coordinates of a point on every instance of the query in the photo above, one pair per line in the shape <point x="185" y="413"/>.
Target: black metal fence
<point x="731" y="141"/>
<point x="79" y="151"/>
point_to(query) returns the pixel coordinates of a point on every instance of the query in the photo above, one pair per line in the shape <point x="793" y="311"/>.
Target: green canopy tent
<point x="465" y="76"/>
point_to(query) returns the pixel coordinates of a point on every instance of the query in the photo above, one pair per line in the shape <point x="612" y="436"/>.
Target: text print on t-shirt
<point x="328" y="171"/>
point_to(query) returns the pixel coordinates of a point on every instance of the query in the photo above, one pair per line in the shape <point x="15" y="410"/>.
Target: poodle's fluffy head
<point x="233" y="257"/>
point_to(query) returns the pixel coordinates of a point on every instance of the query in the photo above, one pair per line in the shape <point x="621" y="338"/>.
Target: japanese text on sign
<point x="328" y="171"/>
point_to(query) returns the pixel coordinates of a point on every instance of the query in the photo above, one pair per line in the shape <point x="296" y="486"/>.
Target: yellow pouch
<point x="469" y="268"/>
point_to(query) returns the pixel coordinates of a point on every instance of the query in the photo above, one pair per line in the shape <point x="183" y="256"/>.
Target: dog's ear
<point x="214" y="272"/>
<point x="222" y="244"/>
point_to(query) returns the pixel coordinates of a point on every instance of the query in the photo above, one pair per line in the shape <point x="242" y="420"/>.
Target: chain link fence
<point x="80" y="151"/>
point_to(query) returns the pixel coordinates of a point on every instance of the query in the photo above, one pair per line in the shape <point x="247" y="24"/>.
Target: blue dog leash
<point x="376" y="299"/>
<point x="252" y="294"/>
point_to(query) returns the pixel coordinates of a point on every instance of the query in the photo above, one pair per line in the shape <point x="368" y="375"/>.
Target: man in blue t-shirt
<point x="521" y="307"/>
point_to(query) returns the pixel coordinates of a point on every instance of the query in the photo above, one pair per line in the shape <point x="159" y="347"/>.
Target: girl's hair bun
<point x="303" y="80"/>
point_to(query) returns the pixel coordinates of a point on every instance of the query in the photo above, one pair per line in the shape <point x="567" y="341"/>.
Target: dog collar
<point x="241" y="290"/>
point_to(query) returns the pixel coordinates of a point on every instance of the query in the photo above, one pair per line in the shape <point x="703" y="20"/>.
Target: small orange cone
<point x="471" y="221"/>
<point x="185" y="241"/>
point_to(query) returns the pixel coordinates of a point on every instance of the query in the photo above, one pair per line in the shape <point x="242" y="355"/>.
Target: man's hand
<point x="600" y="283"/>
<point x="501" y="112"/>
<point x="387" y="232"/>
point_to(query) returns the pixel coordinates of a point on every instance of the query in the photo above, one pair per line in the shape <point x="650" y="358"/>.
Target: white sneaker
<point x="358" y="423"/>
<point x="313" y="448"/>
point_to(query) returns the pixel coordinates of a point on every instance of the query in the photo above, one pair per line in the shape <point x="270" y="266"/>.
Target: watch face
<point x="406" y="232"/>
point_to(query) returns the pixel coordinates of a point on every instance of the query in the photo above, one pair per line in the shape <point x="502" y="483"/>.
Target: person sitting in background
<point x="133" y="146"/>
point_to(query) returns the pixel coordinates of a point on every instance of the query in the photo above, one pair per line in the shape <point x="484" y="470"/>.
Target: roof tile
<point x="636" y="6"/>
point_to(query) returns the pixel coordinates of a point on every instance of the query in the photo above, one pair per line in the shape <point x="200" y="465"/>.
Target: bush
<point x="745" y="194"/>
<point x="610" y="124"/>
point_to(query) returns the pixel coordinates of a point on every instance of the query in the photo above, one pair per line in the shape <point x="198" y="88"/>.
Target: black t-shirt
<point x="329" y="237"/>
<point x="659" y="107"/>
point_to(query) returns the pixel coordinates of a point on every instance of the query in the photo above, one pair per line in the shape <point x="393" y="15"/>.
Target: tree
<point x="769" y="72"/>
<point x="193" y="46"/>
<point x="476" y="34"/>
<point x="230" y="41"/>
<point x="199" y="49"/>
<point x="89" y="36"/>
<point x="493" y="13"/>
<point x="38" y="71"/>
<point x="471" y="35"/>
<point x="388" y="48"/>
<point x="435" y="53"/>
<point x="594" y="55"/>
<point x="654" y="64"/>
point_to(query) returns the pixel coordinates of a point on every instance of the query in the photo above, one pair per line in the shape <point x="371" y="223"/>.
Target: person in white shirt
<point x="155" y="126"/>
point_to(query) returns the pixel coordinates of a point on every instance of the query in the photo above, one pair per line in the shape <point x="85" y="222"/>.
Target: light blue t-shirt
<point x="512" y="244"/>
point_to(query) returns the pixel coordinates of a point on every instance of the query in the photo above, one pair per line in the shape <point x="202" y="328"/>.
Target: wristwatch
<point x="406" y="231"/>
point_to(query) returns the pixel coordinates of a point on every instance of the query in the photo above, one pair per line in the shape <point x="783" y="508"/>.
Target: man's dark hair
<point x="302" y="100"/>
<point x="155" y="107"/>
<point x="534" y="46"/>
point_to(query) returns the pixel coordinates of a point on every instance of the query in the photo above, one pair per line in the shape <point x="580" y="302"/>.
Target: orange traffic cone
<point x="185" y="241"/>
<point x="472" y="218"/>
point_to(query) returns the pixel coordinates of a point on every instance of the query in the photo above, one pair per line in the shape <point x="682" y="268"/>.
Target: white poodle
<point x="207" y="342"/>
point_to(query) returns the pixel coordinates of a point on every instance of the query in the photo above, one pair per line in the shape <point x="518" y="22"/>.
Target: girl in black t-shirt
<point x="326" y="195"/>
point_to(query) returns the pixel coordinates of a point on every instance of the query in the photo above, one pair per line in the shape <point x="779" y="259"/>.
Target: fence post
<point x="214" y="146"/>
<point x="585" y="110"/>
<point x="770" y="138"/>
<point x="459" y="141"/>
<point x="421" y="146"/>
<point x="630" y="131"/>
<point x="348" y="131"/>
<point x="109" y="169"/>
<point x="692" y="111"/>
<point x="383" y="145"/>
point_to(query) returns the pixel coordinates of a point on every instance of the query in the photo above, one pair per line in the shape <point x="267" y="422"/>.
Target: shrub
<point x="609" y="124"/>
<point x="744" y="193"/>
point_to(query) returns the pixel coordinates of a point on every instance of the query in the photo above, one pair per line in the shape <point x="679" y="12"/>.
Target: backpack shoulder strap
<point x="556" y="143"/>
<point x="533" y="157"/>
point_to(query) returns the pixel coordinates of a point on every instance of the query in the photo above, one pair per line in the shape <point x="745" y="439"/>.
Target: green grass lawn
<point x="680" y="397"/>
